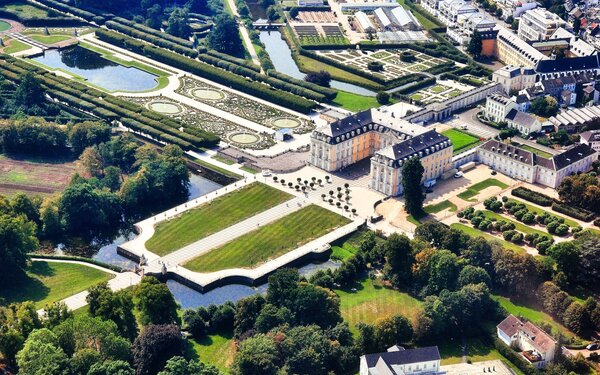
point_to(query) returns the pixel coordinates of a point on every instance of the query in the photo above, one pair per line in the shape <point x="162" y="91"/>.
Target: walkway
<point x="244" y="33"/>
<point x="27" y="40"/>
<point x="119" y="281"/>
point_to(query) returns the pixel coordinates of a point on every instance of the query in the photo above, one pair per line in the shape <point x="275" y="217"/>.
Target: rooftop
<point x="402" y="357"/>
<point x="539" y="339"/>
<point x="569" y="64"/>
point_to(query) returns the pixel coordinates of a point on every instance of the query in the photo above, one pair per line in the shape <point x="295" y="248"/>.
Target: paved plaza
<point x="495" y="367"/>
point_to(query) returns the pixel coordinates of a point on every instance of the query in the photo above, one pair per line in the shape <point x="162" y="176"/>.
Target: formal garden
<point x="393" y="64"/>
<point x="270" y="241"/>
<point x="214" y="216"/>
<point x="439" y="92"/>
<point x="242" y="106"/>
<point x="230" y="132"/>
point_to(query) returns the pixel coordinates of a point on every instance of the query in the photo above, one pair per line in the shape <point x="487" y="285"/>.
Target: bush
<point x="543" y="246"/>
<point x="532" y="196"/>
<point x="517" y="237"/>
<point x="508" y="234"/>
<point x="577" y="213"/>
<point x="528" y="218"/>
<point x="562" y="229"/>
<point x="514" y="357"/>
<point x="375" y="66"/>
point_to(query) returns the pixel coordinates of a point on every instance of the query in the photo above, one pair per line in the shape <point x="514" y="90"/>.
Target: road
<point x="244" y="33"/>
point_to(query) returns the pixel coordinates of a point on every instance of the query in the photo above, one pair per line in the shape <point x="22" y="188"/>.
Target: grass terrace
<point x="48" y="282"/>
<point x="536" y="151"/>
<point x="270" y="241"/>
<point x="439" y="207"/>
<point x="24" y="10"/>
<point x="50" y="39"/>
<point x="474" y="232"/>
<point x="539" y="211"/>
<point x="475" y="189"/>
<point x="14" y="46"/>
<point x="372" y="301"/>
<point x="217" y="350"/>
<point x="461" y="140"/>
<point x="476" y="351"/>
<point x="355" y="102"/>
<point x="214" y="216"/>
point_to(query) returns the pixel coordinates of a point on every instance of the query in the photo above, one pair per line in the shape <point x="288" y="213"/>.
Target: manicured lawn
<point x="538" y="211"/>
<point x="343" y="252"/>
<point x="15" y="46"/>
<point x="4" y="26"/>
<point x="518" y="226"/>
<point x="22" y="9"/>
<point x="534" y="314"/>
<point x="214" y="216"/>
<point x="536" y="151"/>
<point x="439" y="207"/>
<point x="49" y="39"/>
<point x="217" y="350"/>
<point x="474" y="232"/>
<point x="355" y="102"/>
<point x="223" y="160"/>
<point x="477" y="351"/>
<point x="475" y="189"/>
<point x="245" y="168"/>
<point x="217" y="169"/>
<point x="437" y="89"/>
<point x="270" y="241"/>
<point x="372" y="301"/>
<point x="460" y="140"/>
<point x="48" y="282"/>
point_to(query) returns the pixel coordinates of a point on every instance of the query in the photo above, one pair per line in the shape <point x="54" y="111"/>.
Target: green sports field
<point x="461" y="141"/>
<point x="214" y="216"/>
<point x="270" y="241"/>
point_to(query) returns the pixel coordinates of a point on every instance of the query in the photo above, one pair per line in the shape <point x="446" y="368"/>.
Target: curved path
<point x="119" y="281"/>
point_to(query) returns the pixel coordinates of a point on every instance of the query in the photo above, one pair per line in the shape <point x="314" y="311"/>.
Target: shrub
<point x="562" y="229"/>
<point x="551" y="227"/>
<point x="517" y="237"/>
<point x="577" y="213"/>
<point x="528" y="218"/>
<point x="508" y="234"/>
<point x="532" y="196"/>
<point x="375" y="66"/>
<point x="543" y="246"/>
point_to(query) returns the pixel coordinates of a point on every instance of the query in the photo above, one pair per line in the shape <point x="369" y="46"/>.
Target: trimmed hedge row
<point x="532" y="196"/>
<point x="234" y="81"/>
<point x="111" y="108"/>
<point x="575" y="212"/>
<point x="426" y="82"/>
<point x="514" y="357"/>
<point x="442" y="68"/>
<point x="158" y="41"/>
<point x="233" y="59"/>
<point x="151" y="31"/>
<point x="78" y="259"/>
<point x="63" y="7"/>
<point x="44" y="21"/>
<point x="328" y="92"/>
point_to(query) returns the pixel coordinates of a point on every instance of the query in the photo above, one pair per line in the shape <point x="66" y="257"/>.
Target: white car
<point x="266" y="173"/>
<point x="458" y="174"/>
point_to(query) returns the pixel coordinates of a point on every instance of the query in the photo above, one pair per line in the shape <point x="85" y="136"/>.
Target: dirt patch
<point x="32" y="177"/>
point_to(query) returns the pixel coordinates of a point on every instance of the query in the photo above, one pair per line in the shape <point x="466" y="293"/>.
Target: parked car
<point x="458" y="174"/>
<point x="593" y="346"/>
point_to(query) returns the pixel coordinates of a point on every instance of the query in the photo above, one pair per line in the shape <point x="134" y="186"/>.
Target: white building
<point x="397" y="360"/>
<point x="514" y="78"/>
<point x="364" y="23"/>
<point x="449" y="10"/>
<point x="573" y="120"/>
<point x="497" y="107"/>
<point x="539" y="24"/>
<point x="512" y="50"/>
<point x="467" y="24"/>
<point x="591" y="138"/>
<point x="536" y="346"/>
<point x="310" y="3"/>
<point x="396" y="19"/>
<point x="526" y="166"/>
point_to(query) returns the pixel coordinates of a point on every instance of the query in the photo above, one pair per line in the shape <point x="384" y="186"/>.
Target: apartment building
<point x="514" y="78"/>
<point x="449" y="10"/>
<point x="591" y="138"/>
<point x="397" y="360"/>
<point x="536" y="346"/>
<point x="512" y="50"/>
<point x="539" y="24"/>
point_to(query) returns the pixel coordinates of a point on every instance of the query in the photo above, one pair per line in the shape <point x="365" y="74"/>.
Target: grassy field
<point x="538" y="211"/>
<point x="217" y="169"/>
<point x="439" y="207"/>
<point x="474" y="232"/>
<point x="477" y="351"/>
<point x="343" y="252"/>
<point x="270" y="241"/>
<point x="22" y="9"/>
<point x="534" y="314"/>
<point x="372" y="301"/>
<point x="248" y="169"/>
<point x="475" y="189"/>
<point x="50" y="39"/>
<point x="536" y="151"/>
<point x="217" y="350"/>
<point x="518" y="226"/>
<point x="461" y="141"/>
<point x="355" y="102"/>
<point x="48" y="282"/>
<point x="14" y="46"/>
<point x="223" y="160"/>
<point x="4" y="26"/>
<point x="214" y="216"/>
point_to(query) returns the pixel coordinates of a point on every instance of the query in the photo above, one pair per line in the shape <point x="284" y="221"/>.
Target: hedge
<point x="63" y="7"/>
<point x="234" y="60"/>
<point x="78" y="259"/>
<point x="418" y="85"/>
<point x="574" y="212"/>
<point x="157" y="33"/>
<point x="441" y="68"/>
<point x="532" y="196"/>
<point x="514" y="357"/>
<point x="226" y="78"/>
<point x="328" y="92"/>
<point x="43" y="21"/>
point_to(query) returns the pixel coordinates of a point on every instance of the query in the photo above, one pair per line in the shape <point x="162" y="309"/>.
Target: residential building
<point x="523" y="122"/>
<point x="588" y="65"/>
<point x="514" y="78"/>
<point x="580" y="48"/>
<point x="467" y="24"/>
<point x="497" y="107"/>
<point x="536" y="346"/>
<point x="538" y="24"/>
<point x="397" y="360"/>
<point x="574" y="119"/>
<point x="591" y="138"/>
<point x="449" y="10"/>
<point x="388" y="140"/>
<point x="512" y="50"/>
<point x="432" y="6"/>
<point x="526" y="166"/>
<point x="310" y="3"/>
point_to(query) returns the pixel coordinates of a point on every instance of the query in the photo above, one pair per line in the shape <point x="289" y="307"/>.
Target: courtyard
<point x="440" y="91"/>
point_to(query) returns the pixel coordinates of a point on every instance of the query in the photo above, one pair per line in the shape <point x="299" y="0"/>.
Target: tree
<point x="576" y="25"/>
<point x="56" y="313"/>
<point x="392" y="330"/>
<point x="154" y="16"/>
<point x="224" y="36"/>
<point x="545" y="106"/>
<point x="282" y="284"/>
<point x="473" y="275"/>
<point x="179" y="23"/>
<point x="83" y="360"/>
<point x="17" y="237"/>
<point x="155" y="302"/>
<point x="315" y="305"/>
<point x="321" y="78"/>
<point x="257" y="355"/>
<point x="179" y="366"/>
<point x="114" y="306"/>
<point x="475" y="45"/>
<point x="23" y="205"/>
<point x="272" y="13"/>
<point x="11" y="342"/>
<point x="399" y="255"/>
<point x="42" y="355"/>
<point x="412" y="174"/>
<point x="86" y="134"/>
<point x="271" y="317"/>
<point x="246" y="312"/>
<point x="576" y="318"/>
<point x="442" y="270"/>
<point x="366" y="341"/>
<point x="383" y="97"/>
<point x="29" y="91"/>
<point x="111" y="368"/>
<point x="566" y="256"/>
<point x="155" y="345"/>
<point x="294" y="12"/>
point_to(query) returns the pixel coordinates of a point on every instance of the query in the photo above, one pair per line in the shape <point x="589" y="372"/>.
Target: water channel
<point x="281" y="56"/>
<point x="97" y="70"/>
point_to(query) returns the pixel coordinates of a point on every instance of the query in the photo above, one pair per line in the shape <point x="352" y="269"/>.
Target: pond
<point x="281" y="55"/>
<point x="97" y="70"/>
<point x="189" y="298"/>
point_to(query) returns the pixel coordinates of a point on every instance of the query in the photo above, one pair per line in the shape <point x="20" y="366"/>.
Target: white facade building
<point x="514" y="78"/>
<point x="539" y="24"/>
<point x="591" y="138"/>
<point x="397" y="360"/>
<point x="536" y="346"/>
